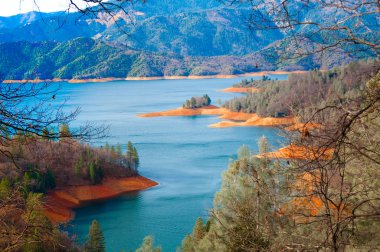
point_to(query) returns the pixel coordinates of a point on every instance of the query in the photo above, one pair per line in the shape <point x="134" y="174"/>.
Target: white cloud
<point x="14" y="7"/>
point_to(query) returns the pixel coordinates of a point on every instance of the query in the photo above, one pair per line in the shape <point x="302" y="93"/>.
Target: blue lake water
<point x="181" y="153"/>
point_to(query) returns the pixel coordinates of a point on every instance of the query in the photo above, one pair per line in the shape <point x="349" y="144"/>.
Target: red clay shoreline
<point x="59" y="203"/>
<point x="142" y="78"/>
<point x="235" y="119"/>
<point x="240" y="90"/>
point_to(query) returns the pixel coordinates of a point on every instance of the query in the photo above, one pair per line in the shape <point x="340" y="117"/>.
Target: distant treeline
<point x="253" y="83"/>
<point x="302" y="92"/>
<point x="197" y="102"/>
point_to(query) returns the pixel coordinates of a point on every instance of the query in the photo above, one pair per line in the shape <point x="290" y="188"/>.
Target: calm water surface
<point x="181" y="153"/>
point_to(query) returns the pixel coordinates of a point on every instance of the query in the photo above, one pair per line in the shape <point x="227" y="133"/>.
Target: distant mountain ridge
<point x="193" y="37"/>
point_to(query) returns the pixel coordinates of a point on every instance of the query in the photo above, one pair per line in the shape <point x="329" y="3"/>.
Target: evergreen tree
<point x="188" y="244"/>
<point x="198" y="231"/>
<point x="95" y="242"/>
<point x="5" y="187"/>
<point x="263" y="145"/>
<point x="244" y="216"/>
<point x="49" y="180"/>
<point x="107" y="147"/>
<point x="118" y="150"/>
<point x="193" y="102"/>
<point x="147" y="246"/>
<point x="95" y="172"/>
<point x="132" y="156"/>
<point x="64" y="131"/>
<point x="136" y="158"/>
<point x="244" y="152"/>
<point x="26" y="184"/>
<point x="78" y="165"/>
<point x="113" y="153"/>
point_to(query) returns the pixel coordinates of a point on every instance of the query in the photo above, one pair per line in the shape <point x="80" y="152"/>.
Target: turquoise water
<point x="181" y="153"/>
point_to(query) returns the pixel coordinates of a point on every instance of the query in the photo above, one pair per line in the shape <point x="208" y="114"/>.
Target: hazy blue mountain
<point x="197" y="28"/>
<point x="193" y="37"/>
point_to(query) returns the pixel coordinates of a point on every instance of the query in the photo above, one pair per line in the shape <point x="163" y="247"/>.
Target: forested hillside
<point x="156" y="39"/>
<point x="301" y="92"/>
<point x="324" y="199"/>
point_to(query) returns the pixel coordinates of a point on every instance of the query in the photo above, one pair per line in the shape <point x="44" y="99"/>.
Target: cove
<point x="181" y="153"/>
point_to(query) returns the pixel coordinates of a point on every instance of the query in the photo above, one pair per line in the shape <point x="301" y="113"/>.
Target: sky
<point x="14" y="7"/>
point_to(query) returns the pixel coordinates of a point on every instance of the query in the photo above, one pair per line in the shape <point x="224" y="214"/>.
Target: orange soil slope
<point x="254" y="120"/>
<point x="240" y="90"/>
<point x="59" y="203"/>
<point x="298" y="152"/>
<point x="207" y="110"/>
<point x="246" y="118"/>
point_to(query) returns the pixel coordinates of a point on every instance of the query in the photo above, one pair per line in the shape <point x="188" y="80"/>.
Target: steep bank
<point x="206" y="110"/>
<point x="59" y="203"/>
<point x="255" y="120"/>
<point x="298" y="152"/>
<point x="240" y="89"/>
<point x="238" y="119"/>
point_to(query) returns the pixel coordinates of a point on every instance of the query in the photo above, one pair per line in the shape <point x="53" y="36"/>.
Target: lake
<point x="181" y="153"/>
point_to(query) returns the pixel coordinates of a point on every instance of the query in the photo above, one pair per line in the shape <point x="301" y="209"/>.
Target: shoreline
<point x="235" y="119"/>
<point x="174" y="77"/>
<point x="240" y="90"/>
<point x="59" y="203"/>
<point x="298" y="152"/>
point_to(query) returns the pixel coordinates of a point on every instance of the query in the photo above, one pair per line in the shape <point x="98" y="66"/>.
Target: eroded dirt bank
<point x="59" y="203"/>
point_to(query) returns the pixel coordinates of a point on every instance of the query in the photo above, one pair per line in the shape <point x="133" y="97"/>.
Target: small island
<point x="196" y="106"/>
<point x="197" y="102"/>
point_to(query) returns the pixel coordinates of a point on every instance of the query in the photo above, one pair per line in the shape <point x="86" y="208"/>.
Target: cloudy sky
<point x="13" y="7"/>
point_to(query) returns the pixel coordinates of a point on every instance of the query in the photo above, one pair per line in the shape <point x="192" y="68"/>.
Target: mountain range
<point x="159" y="38"/>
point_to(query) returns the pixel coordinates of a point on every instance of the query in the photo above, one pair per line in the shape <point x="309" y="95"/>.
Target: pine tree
<point x="92" y="172"/>
<point x="136" y="158"/>
<point x="129" y="154"/>
<point x="5" y="187"/>
<point x="64" y="131"/>
<point x="95" y="242"/>
<point x="113" y="152"/>
<point x="263" y="145"/>
<point x="188" y="244"/>
<point x="147" y="245"/>
<point x="49" y="180"/>
<point x="107" y="147"/>
<point x="118" y="150"/>
<point x="198" y="231"/>
<point x="244" y="152"/>
<point x="78" y="165"/>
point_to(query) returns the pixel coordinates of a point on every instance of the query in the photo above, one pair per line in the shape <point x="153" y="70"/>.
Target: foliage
<point x="245" y="213"/>
<point x="95" y="242"/>
<point x="301" y="92"/>
<point x="23" y="224"/>
<point x="197" y="102"/>
<point x="64" y="131"/>
<point x="83" y="58"/>
<point x="132" y="156"/>
<point x="43" y="164"/>
<point x="39" y="181"/>
<point x="253" y="83"/>
<point x="147" y="246"/>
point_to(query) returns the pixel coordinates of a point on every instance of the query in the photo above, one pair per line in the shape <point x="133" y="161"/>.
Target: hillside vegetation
<point x="158" y="39"/>
<point x="302" y="91"/>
